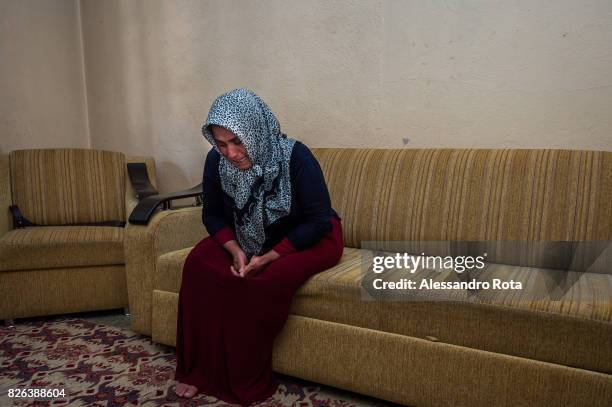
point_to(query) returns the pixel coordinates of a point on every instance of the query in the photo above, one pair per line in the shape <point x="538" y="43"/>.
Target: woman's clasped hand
<point x="243" y="266"/>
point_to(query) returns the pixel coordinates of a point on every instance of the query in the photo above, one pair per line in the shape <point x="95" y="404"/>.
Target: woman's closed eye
<point x="236" y="142"/>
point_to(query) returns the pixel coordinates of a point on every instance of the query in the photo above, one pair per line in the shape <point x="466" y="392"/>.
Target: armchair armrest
<point x="139" y="177"/>
<point x="166" y="231"/>
<point x="145" y="208"/>
<point x="131" y="196"/>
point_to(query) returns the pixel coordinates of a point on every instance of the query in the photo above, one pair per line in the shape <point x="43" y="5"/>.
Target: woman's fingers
<point x="234" y="272"/>
<point x="240" y="261"/>
<point x="251" y="269"/>
<point x="239" y="264"/>
<point x="240" y="268"/>
<point x="245" y="270"/>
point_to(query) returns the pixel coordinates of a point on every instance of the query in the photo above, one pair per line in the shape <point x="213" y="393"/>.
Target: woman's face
<point x="231" y="147"/>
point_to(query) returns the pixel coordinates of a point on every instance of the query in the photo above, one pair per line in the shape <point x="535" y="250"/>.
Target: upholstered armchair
<point x="63" y="250"/>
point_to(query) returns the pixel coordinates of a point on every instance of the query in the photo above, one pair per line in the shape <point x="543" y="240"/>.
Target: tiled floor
<point x="119" y="319"/>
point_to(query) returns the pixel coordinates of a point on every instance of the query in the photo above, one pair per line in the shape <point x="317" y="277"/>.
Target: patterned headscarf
<point x="262" y="194"/>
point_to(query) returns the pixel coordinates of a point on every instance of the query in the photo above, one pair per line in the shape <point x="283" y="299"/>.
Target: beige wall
<point x="42" y="90"/>
<point x="345" y="73"/>
<point x="337" y="73"/>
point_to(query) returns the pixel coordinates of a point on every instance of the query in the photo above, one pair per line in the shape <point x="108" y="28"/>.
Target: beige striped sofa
<point x="506" y="351"/>
<point x="58" y="269"/>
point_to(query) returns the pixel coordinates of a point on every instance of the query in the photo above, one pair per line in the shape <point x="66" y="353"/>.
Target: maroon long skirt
<point x="227" y="324"/>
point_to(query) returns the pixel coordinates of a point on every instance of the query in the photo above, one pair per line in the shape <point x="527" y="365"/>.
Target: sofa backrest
<point x="470" y="194"/>
<point x="62" y="186"/>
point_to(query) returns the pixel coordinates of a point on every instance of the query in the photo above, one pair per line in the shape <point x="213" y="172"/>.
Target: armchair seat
<point x="61" y="246"/>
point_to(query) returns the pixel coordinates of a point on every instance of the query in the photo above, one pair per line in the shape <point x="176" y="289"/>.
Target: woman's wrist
<point x="271" y="255"/>
<point x="232" y="247"/>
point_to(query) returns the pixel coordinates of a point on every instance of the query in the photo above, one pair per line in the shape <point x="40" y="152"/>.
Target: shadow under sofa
<point x="507" y="351"/>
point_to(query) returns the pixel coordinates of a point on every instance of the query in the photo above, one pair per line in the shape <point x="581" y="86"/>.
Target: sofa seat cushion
<point x="569" y="330"/>
<point x="573" y="329"/>
<point x="61" y="246"/>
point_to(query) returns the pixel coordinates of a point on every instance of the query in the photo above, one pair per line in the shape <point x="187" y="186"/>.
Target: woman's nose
<point x="232" y="152"/>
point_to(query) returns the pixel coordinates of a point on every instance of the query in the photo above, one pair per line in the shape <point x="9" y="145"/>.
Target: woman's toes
<point x="191" y="391"/>
<point x="180" y="389"/>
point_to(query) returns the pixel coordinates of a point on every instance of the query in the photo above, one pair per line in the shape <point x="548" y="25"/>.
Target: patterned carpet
<point x="100" y="365"/>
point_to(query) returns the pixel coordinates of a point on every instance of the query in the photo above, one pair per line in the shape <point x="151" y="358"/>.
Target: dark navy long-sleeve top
<point x="306" y="223"/>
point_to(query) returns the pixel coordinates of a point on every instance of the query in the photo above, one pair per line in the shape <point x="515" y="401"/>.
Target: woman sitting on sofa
<point x="271" y="225"/>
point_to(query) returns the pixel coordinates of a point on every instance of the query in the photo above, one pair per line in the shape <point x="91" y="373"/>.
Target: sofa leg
<point x="126" y="312"/>
<point x="9" y="323"/>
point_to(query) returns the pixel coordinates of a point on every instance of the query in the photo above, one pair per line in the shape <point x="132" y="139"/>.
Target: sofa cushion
<point x="565" y="330"/>
<point x="469" y="194"/>
<point x="61" y="246"/>
<point x="573" y="330"/>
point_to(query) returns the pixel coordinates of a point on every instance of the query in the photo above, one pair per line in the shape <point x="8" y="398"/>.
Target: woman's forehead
<point x="221" y="133"/>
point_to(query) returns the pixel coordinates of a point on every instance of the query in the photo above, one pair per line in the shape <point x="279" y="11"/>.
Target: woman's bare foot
<point x="185" y="390"/>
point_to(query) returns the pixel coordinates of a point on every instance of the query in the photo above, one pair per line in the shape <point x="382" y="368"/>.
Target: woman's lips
<point x="242" y="160"/>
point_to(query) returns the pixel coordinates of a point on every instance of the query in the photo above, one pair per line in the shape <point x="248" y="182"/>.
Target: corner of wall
<point x="83" y="70"/>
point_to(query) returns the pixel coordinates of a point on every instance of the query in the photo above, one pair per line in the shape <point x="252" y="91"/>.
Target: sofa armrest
<point x="166" y="231"/>
<point x="147" y="206"/>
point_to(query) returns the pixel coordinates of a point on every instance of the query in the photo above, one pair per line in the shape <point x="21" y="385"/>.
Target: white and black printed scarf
<point x="262" y="194"/>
